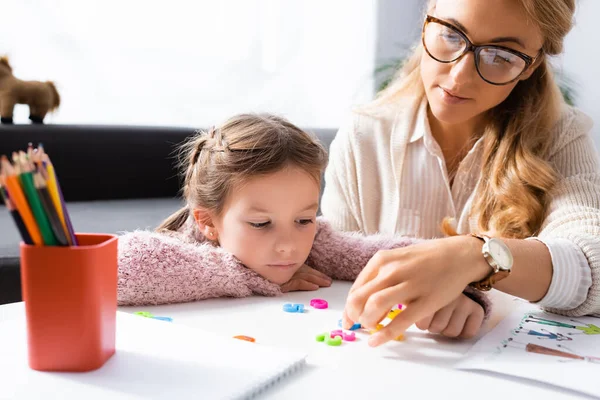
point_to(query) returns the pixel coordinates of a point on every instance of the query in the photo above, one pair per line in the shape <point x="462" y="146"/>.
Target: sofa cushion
<point x="98" y="162"/>
<point x="105" y="162"/>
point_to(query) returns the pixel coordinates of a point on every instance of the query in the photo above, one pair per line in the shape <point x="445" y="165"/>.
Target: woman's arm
<point x="531" y="272"/>
<point x="548" y="272"/>
<point x="156" y="268"/>
<point x="561" y="268"/>
<point x="571" y="230"/>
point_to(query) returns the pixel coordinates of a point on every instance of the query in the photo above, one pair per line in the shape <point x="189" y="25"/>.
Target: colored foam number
<point x="293" y="308"/>
<point x="319" y="303"/>
<point x="144" y="314"/>
<point x="246" y="338"/>
<point x="321" y="337"/>
<point x="336" y="332"/>
<point x="353" y="327"/>
<point x="336" y="341"/>
<point x="346" y="336"/>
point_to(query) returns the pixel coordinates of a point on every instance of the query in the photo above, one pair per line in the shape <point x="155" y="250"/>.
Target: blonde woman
<point x="473" y="128"/>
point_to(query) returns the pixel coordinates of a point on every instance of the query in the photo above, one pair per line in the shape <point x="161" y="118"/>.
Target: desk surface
<point x="418" y="366"/>
<point x="354" y="369"/>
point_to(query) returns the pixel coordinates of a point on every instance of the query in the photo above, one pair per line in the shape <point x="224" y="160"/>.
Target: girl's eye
<point x="259" y="225"/>
<point x="305" y="221"/>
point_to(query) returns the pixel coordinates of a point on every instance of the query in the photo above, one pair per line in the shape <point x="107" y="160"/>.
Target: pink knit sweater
<point x="177" y="267"/>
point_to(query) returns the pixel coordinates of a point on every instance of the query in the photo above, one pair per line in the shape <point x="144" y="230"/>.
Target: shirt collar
<point x="422" y="130"/>
<point x="422" y="123"/>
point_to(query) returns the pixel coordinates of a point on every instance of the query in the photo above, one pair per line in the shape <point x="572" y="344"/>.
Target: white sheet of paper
<point x="154" y="359"/>
<point x="550" y="348"/>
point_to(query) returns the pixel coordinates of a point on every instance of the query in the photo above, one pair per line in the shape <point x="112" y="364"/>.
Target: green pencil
<point x="35" y="203"/>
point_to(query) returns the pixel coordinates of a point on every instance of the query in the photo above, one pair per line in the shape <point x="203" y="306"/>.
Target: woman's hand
<point x="306" y="278"/>
<point x="461" y="318"/>
<point x="424" y="277"/>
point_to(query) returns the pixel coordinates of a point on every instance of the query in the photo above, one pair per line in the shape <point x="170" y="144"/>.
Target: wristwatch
<point x="498" y="256"/>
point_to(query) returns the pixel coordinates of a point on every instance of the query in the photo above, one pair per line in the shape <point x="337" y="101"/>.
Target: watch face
<point x="500" y="253"/>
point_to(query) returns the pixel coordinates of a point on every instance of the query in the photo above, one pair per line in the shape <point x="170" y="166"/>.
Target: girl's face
<point x="269" y="223"/>
<point x="455" y="91"/>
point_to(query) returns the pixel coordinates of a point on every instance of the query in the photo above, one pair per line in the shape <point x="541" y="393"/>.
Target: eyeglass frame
<point x="470" y="46"/>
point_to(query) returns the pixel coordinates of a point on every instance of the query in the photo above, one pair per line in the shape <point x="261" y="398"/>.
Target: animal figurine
<point x="41" y="97"/>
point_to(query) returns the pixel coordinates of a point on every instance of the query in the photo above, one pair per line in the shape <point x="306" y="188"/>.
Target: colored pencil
<point x="47" y="171"/>
<point x="16" y="216"/>
<point x="51" y="213"/>
<point x="31" y="192"/>
<point x="53" y="178"/>
<point x="11" y="183"/>
<point x="26" y="179"/>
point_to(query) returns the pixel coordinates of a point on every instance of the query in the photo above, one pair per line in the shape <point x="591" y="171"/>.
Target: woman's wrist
<point x="469" y="259"/>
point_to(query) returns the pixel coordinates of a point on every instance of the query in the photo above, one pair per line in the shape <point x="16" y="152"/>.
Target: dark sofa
<point x="114" y="179"/>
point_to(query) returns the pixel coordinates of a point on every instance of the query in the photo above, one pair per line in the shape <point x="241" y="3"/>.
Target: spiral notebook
<point x="154" y="360"/>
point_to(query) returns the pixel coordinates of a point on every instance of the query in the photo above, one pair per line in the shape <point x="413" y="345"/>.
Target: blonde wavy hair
<point x="512" y="196"/>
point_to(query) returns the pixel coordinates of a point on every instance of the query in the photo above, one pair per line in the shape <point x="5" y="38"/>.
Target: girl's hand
<point x="425" y="277"/>
<point x="461" y="318"/>
<point x="306" y="278"/>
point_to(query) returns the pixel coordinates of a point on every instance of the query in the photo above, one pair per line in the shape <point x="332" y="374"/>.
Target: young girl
<point x="250" y="224"/>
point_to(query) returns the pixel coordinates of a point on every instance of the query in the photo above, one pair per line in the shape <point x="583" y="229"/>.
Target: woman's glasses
<point x="497" y="65"/>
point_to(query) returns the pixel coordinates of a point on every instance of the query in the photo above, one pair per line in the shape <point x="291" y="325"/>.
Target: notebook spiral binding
<point x="257" y="390"/>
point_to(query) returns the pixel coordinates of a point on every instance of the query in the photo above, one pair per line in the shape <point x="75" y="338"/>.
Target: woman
<point x="473" y="128"/>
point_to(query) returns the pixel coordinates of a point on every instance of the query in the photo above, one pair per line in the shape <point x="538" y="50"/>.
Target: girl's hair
<point x="516" y="178"/>
<point x="245" y="146"/>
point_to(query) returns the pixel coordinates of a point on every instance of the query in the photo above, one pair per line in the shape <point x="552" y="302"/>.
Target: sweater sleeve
<point x="339" y="196"/>
<point x="574" y="209"/>
<point x="342" y="255"/>
<point x="156" y="268"/>
<point x="480" y="298"/>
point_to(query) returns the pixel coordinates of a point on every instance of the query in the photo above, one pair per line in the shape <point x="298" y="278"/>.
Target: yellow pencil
<point x="52" y="188"/>
<point x="56" y="195"/>
<point x="47" y="170"/>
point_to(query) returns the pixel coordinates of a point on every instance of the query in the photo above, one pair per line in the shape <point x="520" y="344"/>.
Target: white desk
<point x="418" y="366"/>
